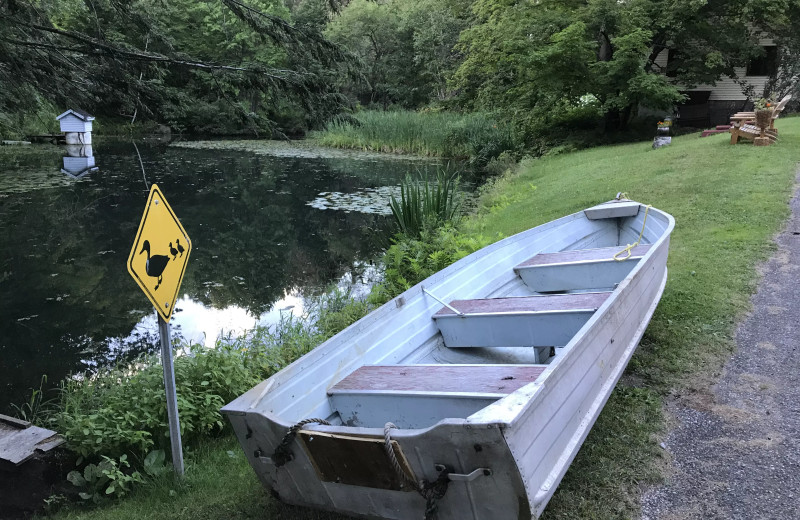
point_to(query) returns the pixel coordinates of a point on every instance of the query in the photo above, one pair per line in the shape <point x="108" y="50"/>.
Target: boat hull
<point x="523" y="443"/>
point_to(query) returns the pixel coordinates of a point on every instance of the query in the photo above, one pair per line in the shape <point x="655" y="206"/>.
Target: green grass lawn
<point x="728" y="202"/>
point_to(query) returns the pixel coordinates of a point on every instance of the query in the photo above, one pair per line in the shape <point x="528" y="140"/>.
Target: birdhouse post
<point x="77" y="126"/>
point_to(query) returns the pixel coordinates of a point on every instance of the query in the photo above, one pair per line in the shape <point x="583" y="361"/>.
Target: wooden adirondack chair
<point x="743" y="127"/>
<point x="740" y="118"/>
<point x="759" y="136"/>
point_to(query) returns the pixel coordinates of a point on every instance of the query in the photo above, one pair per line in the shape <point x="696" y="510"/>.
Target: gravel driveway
<point x="738" y="457"/>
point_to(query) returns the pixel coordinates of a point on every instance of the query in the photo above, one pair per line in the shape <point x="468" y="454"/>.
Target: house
<point x="709" y="105"/>
<point x="77" y="126"/>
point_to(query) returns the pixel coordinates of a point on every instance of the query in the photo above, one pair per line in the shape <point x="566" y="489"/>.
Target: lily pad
<point x="374" y="201"/>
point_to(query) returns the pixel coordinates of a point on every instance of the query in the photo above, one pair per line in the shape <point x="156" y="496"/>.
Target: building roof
<point x="77" y="112"/>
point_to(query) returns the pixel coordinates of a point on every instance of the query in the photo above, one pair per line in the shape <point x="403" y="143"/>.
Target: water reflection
<point x="67" y="301"/>
<point x="79" y="160"/>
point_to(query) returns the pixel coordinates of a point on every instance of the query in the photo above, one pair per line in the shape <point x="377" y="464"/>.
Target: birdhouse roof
<point x="77" y="112"/>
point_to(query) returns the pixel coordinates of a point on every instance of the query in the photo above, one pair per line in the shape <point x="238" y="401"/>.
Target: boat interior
<point x="472" y="334"/>
<point x="489" y="347"/>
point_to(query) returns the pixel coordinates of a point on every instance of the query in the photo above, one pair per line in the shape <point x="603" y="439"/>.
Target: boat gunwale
<point x="419" y="393"/>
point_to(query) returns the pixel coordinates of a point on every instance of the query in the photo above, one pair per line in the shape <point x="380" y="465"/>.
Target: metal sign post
<point x="158" y="261"/>
<point x="172" y="396"/>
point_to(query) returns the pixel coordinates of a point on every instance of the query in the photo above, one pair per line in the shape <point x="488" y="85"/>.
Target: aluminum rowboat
<point x="476" y="387"/>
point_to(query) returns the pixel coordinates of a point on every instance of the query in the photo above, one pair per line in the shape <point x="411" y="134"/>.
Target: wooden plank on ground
<point x="19" y="441"/>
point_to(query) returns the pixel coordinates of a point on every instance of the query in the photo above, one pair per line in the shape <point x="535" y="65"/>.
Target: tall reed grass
<point x="476" y="137"/>
<point x="426" y="205"/>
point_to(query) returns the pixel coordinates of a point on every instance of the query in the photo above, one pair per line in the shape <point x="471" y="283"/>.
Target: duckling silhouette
<point x="155" y="264"/>
<point x="180" y="247"/>
<point x="173" y="251"/>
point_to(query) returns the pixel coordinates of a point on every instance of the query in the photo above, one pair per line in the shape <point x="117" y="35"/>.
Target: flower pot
<point x="764" y="118"/>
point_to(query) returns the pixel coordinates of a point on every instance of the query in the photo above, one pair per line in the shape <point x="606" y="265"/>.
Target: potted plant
<point x="763" y="111"/>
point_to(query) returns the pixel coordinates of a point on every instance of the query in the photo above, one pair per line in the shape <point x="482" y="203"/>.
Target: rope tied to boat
<point x="630" y="247"/>
<point x="433" y="491"/>
<point x="283" y="453"/>
<point x="430" y="491"/>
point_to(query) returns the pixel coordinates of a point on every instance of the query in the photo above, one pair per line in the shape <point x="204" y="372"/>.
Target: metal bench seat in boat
<point x="520" y="321"/>
<point x="413" y="396"/>
<point x="578" y="269"/>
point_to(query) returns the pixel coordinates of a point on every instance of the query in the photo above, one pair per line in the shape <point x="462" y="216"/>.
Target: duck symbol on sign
<point x="155" y="264"/>
<point x="174" y="252"/>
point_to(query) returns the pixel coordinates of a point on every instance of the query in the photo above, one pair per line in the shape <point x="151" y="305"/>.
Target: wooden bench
<point x="415" y="396"/>
<point x="582" y="269"/>
<point x="522" y="321"/>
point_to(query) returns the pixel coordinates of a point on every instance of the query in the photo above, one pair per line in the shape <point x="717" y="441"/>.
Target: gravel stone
<point x="739" y="457"/>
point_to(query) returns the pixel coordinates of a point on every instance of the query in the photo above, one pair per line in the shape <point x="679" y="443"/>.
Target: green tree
<point x="405" y="46"/>
<point x="187" y="62"/>
<point x="541" y="61"/>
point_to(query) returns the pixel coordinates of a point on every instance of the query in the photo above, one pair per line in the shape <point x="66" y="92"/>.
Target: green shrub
<point x="410" y="260"/>
<point x="478" y="138"/>
<point x="106" y="479"/>
<point x="337" y="310"/>
<point x="122" y="410"/>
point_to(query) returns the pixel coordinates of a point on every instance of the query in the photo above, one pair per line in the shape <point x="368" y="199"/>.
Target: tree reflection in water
<point x="67" y="301"/>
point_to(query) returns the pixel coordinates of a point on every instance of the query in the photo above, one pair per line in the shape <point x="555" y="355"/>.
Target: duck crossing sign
<point x="159" y="254"/>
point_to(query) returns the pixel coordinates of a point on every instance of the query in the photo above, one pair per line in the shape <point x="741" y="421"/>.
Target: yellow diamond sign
<point x="160" y="253"/>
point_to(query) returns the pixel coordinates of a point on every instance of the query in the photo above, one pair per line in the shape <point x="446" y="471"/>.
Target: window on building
<point x="765" y="65"/>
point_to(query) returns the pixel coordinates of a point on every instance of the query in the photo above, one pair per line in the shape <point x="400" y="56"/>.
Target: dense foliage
<point x="223" y="67"/>
<point x="558" y="63"/>
<point x="406" y="48"/>
<point x="284" y="66"/>
<point x="412" y="259"/>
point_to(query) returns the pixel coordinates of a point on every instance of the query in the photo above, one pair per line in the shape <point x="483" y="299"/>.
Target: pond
<point x="270" y="223"/>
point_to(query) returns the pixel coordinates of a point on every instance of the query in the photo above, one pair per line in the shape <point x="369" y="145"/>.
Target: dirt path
<point x="739" y="457"/>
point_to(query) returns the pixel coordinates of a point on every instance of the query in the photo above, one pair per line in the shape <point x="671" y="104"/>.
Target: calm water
<point x="264" y="227"/>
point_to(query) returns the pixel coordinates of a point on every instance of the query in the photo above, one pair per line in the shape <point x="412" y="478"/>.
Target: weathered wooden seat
<point x="421" y="395"/>
<point x="582" y="269"/>
<point x="522" y="321"/>
<point x="759" y="136"/>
